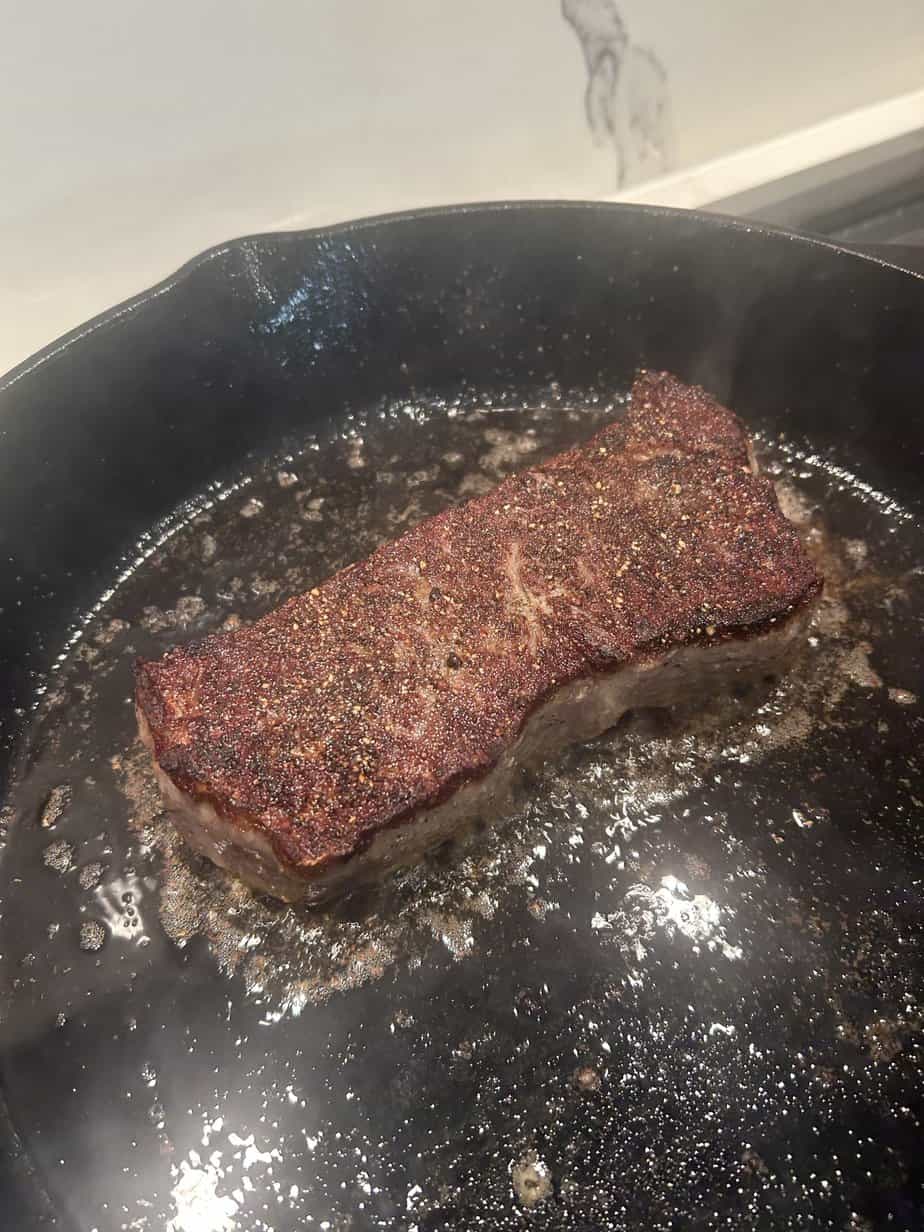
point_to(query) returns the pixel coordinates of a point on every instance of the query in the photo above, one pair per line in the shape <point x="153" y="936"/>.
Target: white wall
<point x="134" y="134"/>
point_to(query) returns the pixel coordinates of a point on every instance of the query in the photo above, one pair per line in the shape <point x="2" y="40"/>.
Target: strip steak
<point x="366" y="720"/>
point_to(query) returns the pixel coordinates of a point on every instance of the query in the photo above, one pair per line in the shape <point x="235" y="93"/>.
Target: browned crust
<point x="379" y="692"/>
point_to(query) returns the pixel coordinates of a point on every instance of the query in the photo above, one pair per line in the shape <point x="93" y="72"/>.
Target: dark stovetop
<point x="888" y="224"/>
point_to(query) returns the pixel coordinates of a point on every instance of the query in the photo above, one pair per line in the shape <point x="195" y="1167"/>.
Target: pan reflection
<point x="673" y="910"/>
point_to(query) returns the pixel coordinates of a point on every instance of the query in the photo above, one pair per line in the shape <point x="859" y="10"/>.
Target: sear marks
<point x="409" y="673"/>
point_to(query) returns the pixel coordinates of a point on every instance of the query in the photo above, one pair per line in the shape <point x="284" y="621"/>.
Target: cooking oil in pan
<point x="310" y="515"/>
<point x="651" y="843"/>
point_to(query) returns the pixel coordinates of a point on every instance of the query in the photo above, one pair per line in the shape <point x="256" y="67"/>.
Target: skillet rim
<point x="720" y="222"/>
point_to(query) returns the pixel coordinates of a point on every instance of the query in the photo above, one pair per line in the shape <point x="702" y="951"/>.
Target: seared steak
<point x="370" y="717"/>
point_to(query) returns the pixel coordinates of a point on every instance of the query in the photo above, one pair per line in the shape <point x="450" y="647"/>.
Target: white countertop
<point x="135" y="135"/>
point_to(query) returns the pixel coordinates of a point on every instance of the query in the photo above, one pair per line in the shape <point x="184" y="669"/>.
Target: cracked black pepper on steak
<point x="374" y="702"/>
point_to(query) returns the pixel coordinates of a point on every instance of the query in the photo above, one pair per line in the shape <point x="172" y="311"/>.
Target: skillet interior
<point x="444" y="1074"/>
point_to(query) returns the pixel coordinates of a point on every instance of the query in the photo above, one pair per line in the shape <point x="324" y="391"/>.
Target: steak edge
<point x="375" y="715"/>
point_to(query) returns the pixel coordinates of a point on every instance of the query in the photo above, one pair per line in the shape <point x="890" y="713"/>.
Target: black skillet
<point x="720" y="1027"/>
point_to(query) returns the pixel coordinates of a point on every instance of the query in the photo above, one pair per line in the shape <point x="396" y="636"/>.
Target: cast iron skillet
<point x="751" y="1047"/>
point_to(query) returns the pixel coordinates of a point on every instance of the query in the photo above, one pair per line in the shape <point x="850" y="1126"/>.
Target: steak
<point x="373" y="716"/>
